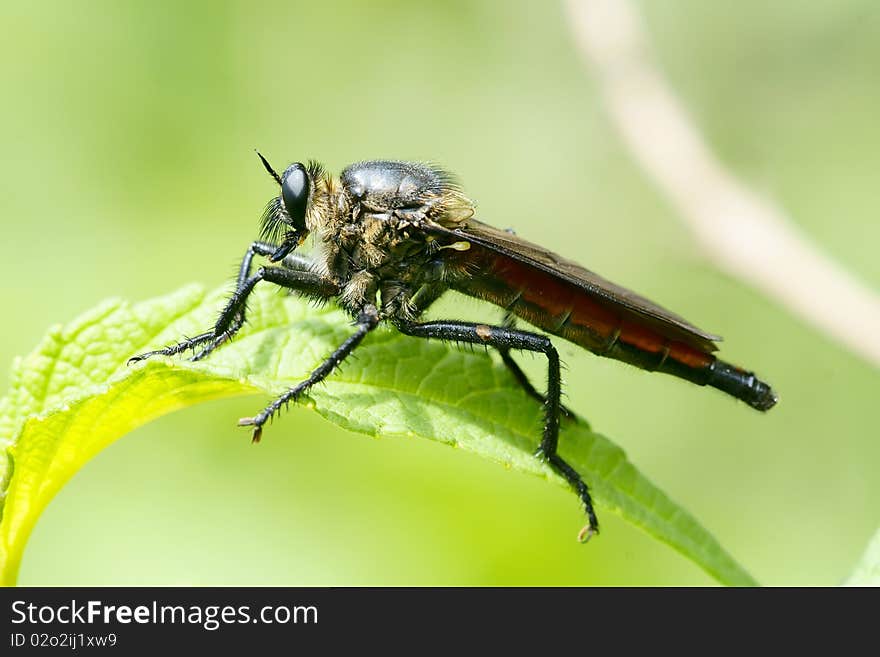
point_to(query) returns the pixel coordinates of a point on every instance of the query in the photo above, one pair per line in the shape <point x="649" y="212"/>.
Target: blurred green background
<point x="128" y="170"/>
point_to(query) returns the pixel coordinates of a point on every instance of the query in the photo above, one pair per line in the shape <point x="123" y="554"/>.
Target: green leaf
<point x="867" y="572"/>
<point x="74" y="395"/>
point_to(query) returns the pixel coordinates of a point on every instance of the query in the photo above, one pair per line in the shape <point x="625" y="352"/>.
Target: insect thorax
<point x="371" y="225"/>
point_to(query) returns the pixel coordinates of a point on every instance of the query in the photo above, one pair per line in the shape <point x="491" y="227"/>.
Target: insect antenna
<point x="268" y="167"/>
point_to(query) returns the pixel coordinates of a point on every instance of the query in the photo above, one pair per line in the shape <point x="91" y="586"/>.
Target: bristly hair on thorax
<point x="274" y="224"/>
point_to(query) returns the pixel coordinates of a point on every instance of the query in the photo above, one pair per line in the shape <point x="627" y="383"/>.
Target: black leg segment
<point x="232" y="318"/>
<point x="504" y="339"/>
<point x="183" y="345"/>
<point x="524" y="382"/>
<point x="367" y="320"/>
<point x="509" y="321"/>
<point x="266" y="249"/>
<point x="293" y="261"/>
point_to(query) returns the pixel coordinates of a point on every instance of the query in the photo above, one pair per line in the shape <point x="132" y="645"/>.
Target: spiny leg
<point x="520" y="376"/>
<point x="502" y="337"/>
<point x="367" y="320"/>
<point x="523" y="380"/>
<point x="183" y="345"/>
<point x="428" y="294"/>
<point x="292" y="261"/>
<point x="244" y="270"/>
<point x="233" y="315"/>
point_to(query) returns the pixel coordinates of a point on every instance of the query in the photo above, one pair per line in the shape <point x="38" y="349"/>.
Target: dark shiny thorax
<point x="376" y="244"/>
<point x="385" y="185"/>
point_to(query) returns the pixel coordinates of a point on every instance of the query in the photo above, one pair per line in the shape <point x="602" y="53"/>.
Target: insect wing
<point x="509" y="245"/>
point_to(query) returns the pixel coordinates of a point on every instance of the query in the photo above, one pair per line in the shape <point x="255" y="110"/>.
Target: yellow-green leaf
<point x="74" y="395"/>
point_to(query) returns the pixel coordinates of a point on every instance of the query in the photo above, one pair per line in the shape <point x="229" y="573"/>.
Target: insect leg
<point x="502" y="337"/>
<point x="367" y="320"/>
<point x="256" y="248"/>
<point x="519" y="375"/>
<point x="244" y="270"/>
<point x="293" y="261"/>
<point x="183" y="345"/>
<point x="232" y="317"/>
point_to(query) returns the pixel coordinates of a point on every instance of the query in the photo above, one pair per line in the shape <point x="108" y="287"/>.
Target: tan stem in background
<point x="745" y="234"/>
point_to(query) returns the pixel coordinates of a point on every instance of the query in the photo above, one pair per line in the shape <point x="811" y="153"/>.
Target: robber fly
<point x="393" y="236"/>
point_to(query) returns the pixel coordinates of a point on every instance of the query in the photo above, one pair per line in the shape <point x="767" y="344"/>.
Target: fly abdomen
<point x="742" y="385"/>
<point x="606" y="328"/>
<point x="680" y="360"/>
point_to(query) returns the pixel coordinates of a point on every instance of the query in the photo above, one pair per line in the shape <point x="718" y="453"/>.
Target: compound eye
<point x="295" y="194"/>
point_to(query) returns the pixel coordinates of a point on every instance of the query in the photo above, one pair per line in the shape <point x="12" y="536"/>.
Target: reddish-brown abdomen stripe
<point x="562" y="308"/>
